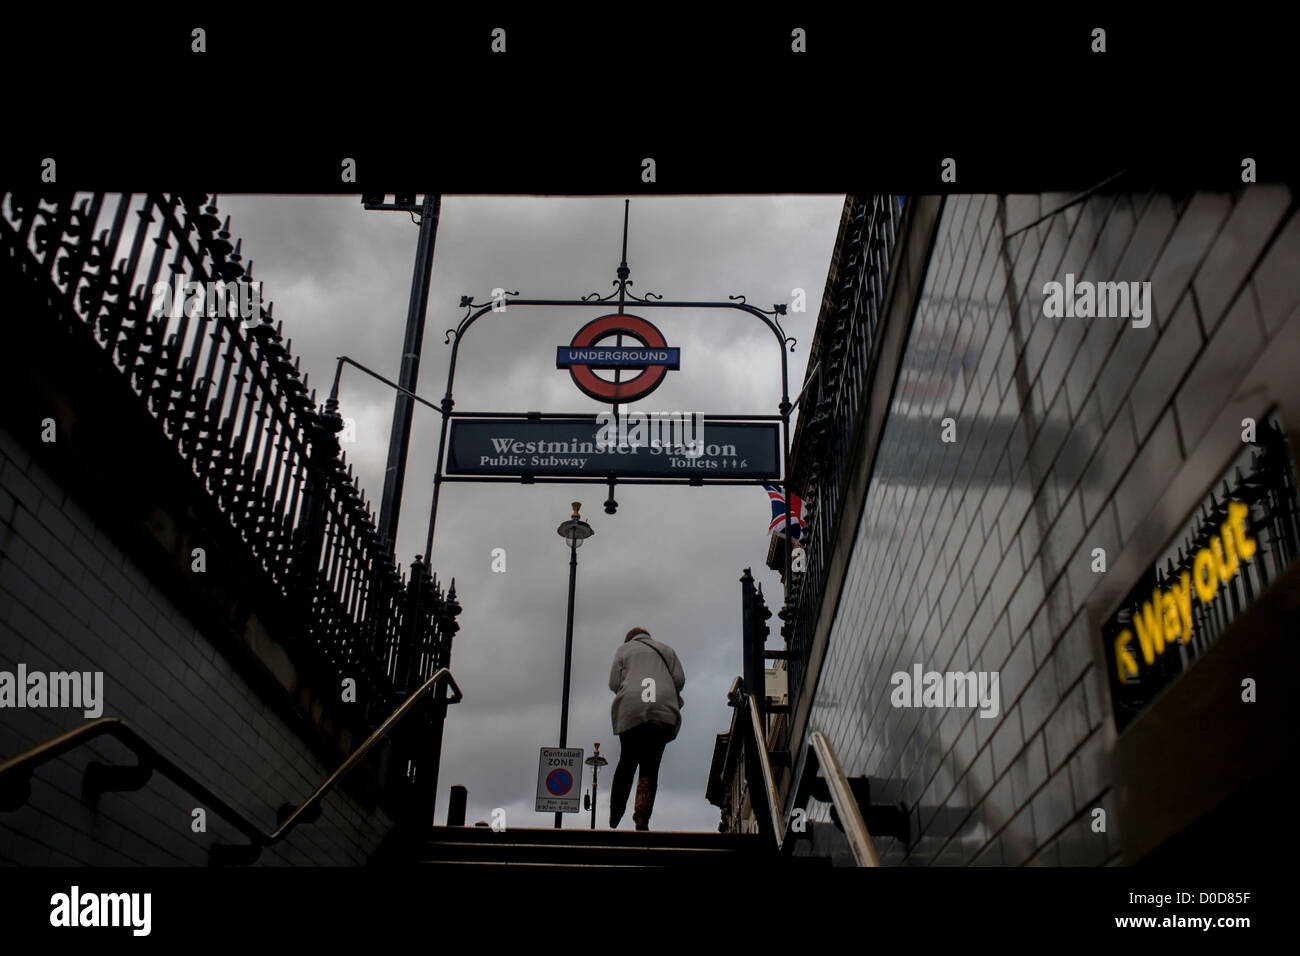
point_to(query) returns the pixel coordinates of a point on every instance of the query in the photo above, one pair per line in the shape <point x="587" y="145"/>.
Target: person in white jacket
<point x="646" y="679"/>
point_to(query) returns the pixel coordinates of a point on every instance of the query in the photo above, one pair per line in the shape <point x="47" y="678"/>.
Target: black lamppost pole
<point x="595" y="761"/>
<point x="574" y="531"/>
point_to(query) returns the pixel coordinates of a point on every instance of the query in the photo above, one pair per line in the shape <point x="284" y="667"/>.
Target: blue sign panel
<point x="628" y="356"/>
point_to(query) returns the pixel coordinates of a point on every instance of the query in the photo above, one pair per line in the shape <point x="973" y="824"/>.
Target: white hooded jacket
<point x="635" y="661"/>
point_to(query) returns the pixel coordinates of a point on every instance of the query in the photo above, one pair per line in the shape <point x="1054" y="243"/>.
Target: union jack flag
<point x="777" y="499"/>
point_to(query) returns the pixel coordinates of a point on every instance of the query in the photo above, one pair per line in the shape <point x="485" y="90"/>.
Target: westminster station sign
<point x="582" y="446"/>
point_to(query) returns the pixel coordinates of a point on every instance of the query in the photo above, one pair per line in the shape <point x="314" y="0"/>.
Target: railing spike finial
<point x="623" y="270"/>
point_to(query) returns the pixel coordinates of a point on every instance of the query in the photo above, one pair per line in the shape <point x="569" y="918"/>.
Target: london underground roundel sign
<point x="651" y="360"/>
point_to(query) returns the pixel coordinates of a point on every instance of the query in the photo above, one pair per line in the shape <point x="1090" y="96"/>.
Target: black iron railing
<point x="228" y="397"/>
<point x="839" y="366"/>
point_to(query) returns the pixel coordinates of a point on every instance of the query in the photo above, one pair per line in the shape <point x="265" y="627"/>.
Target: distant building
<point x="727" y="788"/>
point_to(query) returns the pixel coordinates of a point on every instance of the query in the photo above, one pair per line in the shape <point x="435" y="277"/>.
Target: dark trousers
<point x="643" y="747"/>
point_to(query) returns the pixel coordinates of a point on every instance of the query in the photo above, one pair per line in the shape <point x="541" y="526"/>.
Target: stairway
<point x="565" y="848"/>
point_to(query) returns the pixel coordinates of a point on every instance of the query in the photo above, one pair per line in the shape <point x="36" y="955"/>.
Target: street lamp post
<point x="574" y="532"/>
<point x="595" y="761"/>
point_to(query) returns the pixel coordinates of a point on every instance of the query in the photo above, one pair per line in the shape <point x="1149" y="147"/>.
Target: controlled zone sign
<point x="559" y="779"/>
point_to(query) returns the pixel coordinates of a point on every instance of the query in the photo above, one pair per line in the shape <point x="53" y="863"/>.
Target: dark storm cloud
<point x="670" y="559"/>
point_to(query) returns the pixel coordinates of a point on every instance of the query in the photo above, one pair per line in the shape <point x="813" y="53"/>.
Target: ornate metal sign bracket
<point x="620" y="296"/>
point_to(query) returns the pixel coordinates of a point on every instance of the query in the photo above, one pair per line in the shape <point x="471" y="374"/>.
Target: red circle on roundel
<point x="639" y="385"/>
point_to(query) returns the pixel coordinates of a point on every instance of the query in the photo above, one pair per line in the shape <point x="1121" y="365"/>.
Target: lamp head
<point x="575" y="530"/>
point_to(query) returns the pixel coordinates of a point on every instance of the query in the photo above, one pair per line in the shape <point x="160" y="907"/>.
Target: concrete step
<point x="577" y="837"/>
<point x="749" y="865"/>
<point x="446" y="851"/>
<point x="579" y="848"/>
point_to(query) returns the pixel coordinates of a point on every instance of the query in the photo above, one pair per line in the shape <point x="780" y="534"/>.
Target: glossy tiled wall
<point x="975" y="554"/>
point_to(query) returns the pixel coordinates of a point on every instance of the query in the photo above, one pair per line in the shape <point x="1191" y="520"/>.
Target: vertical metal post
<point x="623" y="273"/>
<point x="568" y="657"/>
<point x="456" y="808"/>
<point x="437" y="476"/>
<point x="446" y="628"/>
<point x="399" y="440"/>
<point x="595" y="787"/>
<point x="752" y="679"/>
<point x="433" y="748"/>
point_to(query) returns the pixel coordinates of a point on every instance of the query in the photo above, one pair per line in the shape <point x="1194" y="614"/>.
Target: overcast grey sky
<point x="669" y="560"/>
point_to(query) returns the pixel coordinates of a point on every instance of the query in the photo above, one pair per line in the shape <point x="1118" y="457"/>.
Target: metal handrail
<point x="738" y="697"/>
<point x="855" y="827"/>
<point x="357" y="755"/>
<point x="118" y="728"/>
